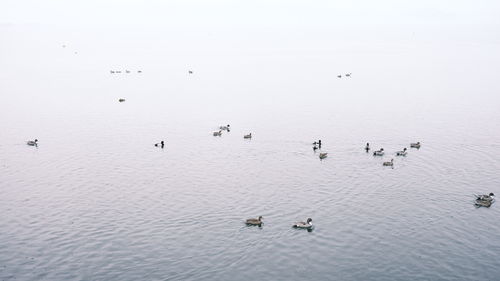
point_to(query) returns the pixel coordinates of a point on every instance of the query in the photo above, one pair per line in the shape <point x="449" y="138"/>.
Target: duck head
<point x="309" y="220"/>
<point x="491" y="194"/>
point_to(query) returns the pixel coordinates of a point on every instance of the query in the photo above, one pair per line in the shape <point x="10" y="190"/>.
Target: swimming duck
<point x="339" y="76"/>
<point x="348" y="75"/>
<point x="218" y="134"/>
<point x="367" y="147"/>
<point x="127" y="71"/>
<point x="32" y="143"/>
<point x="139" y="71"/>
<point x="378" y="152"/>
<point x="317" y="143"/>
<point x="249" y="136"/>
<point x="257" y="221"/>
<point x="415" y="144"/>
<point x="121" y="100"/>
<point x="190" y="72"/>
<point x="390" y="163"/>
<point x="307" y="225"/>
<point x="315" y="148"/>
<point x="486" y="197"/>
<point x="225" y="128"/>
<point x="402" y="152"/>
<point x="323" y="155"/>
<point x="111" y="71"/>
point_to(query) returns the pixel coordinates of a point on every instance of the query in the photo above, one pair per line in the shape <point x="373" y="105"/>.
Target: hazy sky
<point x="253" y="13"/>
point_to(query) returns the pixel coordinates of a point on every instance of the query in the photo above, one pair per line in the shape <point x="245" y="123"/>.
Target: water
<point x="97" y="201"/>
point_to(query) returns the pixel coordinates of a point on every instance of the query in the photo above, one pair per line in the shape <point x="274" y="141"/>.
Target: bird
<point x="315" y="148"/>
<point x="225" y="128"/>
<point x="160" y="144"/>
<point x="257" y="221"/>
<point x="190" y="72"/>
<point x="249" y="136"/>
<point x="121" y="100"/>
<point x="127" y="71"/>
<point x="118" y="71"/>
<point x="218" y="134"/>
<point x="484" y="200"/>
<point x="32" y="143"/>
<point x="139" y="71"/>
<point x="339" y="76"/>
<point x="367" y="147"/>
<point x="323" y="155"/>
<point x="402" y="152"/>
<point x="415" y="144"/>
<point x="306" y="225"/>
<point x="348" y="75"/>
<point x="390" y="163"/>
<point x="112" y="72"/>
<point x="378" y="152"/>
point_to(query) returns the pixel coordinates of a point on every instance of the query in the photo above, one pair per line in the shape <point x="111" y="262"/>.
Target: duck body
<point x="249" y="136"/>
<point x="218" y="134"/>
<point x="323" y="155"/>
<point x="121" y="100"/>
<point x="390" y="163"/>
<point x="379" y="152"/>
<point x="402" y="152"/>
<point x="257" y="221"/>
<point x="415" y="144"/>
<point x="32" y="143"/>
<point x="304" y="225"/>
<point x="484" y="200"/>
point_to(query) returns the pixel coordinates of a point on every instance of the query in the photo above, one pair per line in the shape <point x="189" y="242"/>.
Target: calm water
<point x="97" y="201"/>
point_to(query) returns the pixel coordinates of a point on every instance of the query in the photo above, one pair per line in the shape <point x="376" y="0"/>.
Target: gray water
<point x="97" y="201"/>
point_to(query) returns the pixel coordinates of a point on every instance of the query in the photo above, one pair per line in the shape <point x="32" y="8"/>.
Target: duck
<point x="348" y="74"/>
<point x="160" y="144"/>
<point x="402" y="152"/>
<point x="486" y="197"/>
<point x="306" y="225"/>
<point x="367" y="147"/>
<point x="339" y="76"/>
<point x="315" y="148"/>
<point x="127" y="71"/>
<point x="249" y="136"/>
<point x="415" y="144"/>
<point x="118" y="71"/>
<point x="323" y="155"/>
<point x="111" y="71"/>
<point x="378" y="152"/>
<point x="218" y="134"/>
<point x="121" y="100"/>
<point x="390" y="163"/>
<point x="32" y="143"/>
<point x="225" y="128"/>
<point x="317" y="143"/>
<point x="139" y="71"/>
<point x="190" y="72"/>
<point x="257" y="221"/>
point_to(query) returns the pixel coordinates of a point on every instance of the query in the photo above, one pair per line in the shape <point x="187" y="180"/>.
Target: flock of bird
<point x="126" y="71"/>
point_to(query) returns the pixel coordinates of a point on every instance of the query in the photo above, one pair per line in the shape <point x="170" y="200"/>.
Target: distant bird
<point x="190" y="72"/>
<point x="402" y="152"/>
<point x="225" y="128"/>
<point x="118" y="71"/>
<point x="317" y="143"/>
<point x="315" y="148"/>
<point x="139" y="71"/>
<point x="127" y="71"/>
<point x="111" y="71"/>
<point x="348" y="75"/>
<point x="485" y="200"/>
<point x="64" y="46"/>
<point x="249" y="136"/>
<point x="218" y="134"/>
<point x="415" y="144"/>
<point x="76" y="53"/>
<point x="323" y="155"/>
<point x="390" y="163"/>
<point x="305" y="225"/>
<point x="339" y="76"/>
<point x="121" y="100"/>
<point x="367" y="147"/>
<point x="257" y="221"/>
<point x="160" y="144"/>
<point x="32" y="143"/>
<point x="378" y="152"/>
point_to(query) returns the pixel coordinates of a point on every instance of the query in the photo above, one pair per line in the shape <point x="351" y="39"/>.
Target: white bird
<point x="402" y="152"/>
<point x="415" y="144"/>
<point x="378" y="152"/>
<point x="257" y="221"/>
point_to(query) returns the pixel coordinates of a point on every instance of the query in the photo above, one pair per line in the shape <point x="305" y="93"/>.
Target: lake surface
<point x="97" y="201"/>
